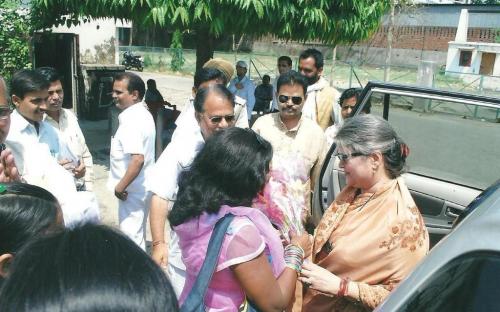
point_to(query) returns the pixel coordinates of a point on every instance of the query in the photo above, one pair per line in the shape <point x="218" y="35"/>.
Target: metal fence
<point x="341" y="74"/>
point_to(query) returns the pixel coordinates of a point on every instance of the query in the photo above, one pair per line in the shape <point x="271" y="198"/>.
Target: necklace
<point x="366" y="202"/>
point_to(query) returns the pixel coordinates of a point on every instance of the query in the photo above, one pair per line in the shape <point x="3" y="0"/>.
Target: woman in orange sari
<point x="372" y="235"/>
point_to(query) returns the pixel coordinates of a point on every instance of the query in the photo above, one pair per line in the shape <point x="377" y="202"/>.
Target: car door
<point x="454" y="142"/>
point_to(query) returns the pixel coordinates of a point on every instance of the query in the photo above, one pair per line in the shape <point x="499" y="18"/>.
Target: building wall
<point x="97" y="39"/>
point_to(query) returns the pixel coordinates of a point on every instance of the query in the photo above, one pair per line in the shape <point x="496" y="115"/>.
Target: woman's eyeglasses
<point x="5" y="111"/>
<point x="344" y="157"/>
<point x="296" y="100"/>
<point x="218" y="119"/>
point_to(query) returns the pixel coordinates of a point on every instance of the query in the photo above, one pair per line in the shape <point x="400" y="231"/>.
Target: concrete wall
<point x="452" y="63"/>
<point x="98" y="33"/>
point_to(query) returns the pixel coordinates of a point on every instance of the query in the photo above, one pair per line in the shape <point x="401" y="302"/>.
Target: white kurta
<point x="247" y="92"/>
<point x="178" y="155"/>
<point x="135" y="135"/>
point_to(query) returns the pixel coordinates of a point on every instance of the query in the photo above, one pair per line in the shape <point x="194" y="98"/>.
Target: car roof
<point x="479" y="231"/>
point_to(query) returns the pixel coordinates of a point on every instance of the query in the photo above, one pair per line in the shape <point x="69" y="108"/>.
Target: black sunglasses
<point x="295" y="99"/>
<point x="218" y="119"/>
<point x="344" y="157"/>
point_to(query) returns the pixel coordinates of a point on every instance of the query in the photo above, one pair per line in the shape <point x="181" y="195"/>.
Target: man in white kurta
<point x="131" y="156"/>
<point x="179" y="154"/>
<point x="66" y="122"/>
<point x="243" y="87"/>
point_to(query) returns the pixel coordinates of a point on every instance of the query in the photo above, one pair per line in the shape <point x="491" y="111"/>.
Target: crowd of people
<point x="230" y="246"/>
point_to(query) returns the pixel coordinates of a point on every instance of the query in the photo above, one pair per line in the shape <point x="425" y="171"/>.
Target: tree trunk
<point x="204" y="47"/>
<point x="387" y="68"/>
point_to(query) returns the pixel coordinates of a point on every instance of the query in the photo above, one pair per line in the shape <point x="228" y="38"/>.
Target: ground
<point x="174" y="89"/>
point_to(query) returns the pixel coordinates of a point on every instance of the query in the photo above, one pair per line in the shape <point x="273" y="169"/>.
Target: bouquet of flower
<point x="283" y="199"/>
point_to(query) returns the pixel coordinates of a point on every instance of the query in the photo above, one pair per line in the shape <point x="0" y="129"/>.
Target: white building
<point x="465" y="57"/>
<point x="98" y="36"/>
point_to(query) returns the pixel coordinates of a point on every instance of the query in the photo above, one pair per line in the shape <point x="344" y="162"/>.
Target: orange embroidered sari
<point x="374" y="239"/>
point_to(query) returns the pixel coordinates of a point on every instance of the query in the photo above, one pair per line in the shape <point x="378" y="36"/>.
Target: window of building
<point x="465" y="58"/>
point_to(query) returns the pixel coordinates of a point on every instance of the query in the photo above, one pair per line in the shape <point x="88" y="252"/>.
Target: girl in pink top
<point x="224" y="178"/>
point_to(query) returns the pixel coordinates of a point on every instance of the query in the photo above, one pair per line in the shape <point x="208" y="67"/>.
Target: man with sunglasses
<point x="8" y="168"/>
<point x="321" y="98"/>
<point x="214" y="111"/>
<point x="293" y="136"/>
<point x="132" y="155"/>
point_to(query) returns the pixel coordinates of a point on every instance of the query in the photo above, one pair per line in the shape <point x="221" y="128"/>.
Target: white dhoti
<point x="132" y="215"/>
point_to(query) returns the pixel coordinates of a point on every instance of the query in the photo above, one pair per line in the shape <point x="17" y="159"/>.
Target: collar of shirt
<point x="282" y="126"/>
<point x="20" y="124"/>
<point x="62" y="120"/>
<point x="132" y="110"/>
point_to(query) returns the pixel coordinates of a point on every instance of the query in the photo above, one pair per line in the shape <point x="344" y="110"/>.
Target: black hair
<point x="266" y="77"/>
<point x="229" y="170"/>
<point x="88" y="268"/>
<point x="355" y="92"/>
<point x="151" y="83"/>
<point x="291" y="78"/>
<point x="315" y="54"/>
<point x="207" y="74"/>
<point x="26" y="81"/>
<point x="202" y="94"/>
<point x="26" y="211"/>
<point x="134" y="82"/>
<point x="285" y="58"/>
<point x="50" y="73"/>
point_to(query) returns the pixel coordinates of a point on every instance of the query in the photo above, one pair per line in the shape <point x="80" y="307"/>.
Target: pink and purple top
<point x="249" y="234"/>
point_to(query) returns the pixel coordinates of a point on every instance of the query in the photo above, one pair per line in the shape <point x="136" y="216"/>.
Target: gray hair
<point x="368" y="134"/>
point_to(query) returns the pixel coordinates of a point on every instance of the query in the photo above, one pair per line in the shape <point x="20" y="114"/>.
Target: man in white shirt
<point x="284" y="66"/>
<point x="243" y="87"/>
<point x="36" y="147"/>
<point x="214" y="110"/>
<point x="131" y="155"/>
<point x="79" y="162"/>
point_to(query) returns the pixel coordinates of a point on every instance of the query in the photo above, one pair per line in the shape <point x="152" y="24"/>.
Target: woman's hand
<point x="320" y="279"/>
<point x="304" y="241"/>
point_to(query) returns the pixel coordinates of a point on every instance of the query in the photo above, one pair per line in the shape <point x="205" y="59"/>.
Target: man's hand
<point x="79" y="172"/>
<point x="159" y="253"/>
<point x="8" y="168"/>
<point x="120" y="193"/>
<point x="67" y="164"/>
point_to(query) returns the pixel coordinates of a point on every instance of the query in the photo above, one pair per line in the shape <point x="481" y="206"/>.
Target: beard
<point x="312" y="80"/>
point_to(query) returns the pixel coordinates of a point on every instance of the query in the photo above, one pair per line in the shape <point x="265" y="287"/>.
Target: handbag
<point x="195" y="301"/>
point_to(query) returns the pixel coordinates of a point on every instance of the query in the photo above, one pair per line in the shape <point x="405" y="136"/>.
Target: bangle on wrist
<point x="158" y="242"/>
<point x="344" y="287"/>
<point x="294" y="256"/>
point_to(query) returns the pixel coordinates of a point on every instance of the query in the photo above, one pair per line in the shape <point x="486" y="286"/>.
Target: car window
<point x="449" y="141"/>
<point x="468" y="283"/>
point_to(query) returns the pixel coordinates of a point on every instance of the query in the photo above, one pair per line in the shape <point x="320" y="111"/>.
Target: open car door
<point x="454" y="142"/>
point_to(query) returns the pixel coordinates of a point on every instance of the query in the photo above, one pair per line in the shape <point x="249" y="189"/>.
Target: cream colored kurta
<point x="72" y="135"/>
<point x="306" y="139"/>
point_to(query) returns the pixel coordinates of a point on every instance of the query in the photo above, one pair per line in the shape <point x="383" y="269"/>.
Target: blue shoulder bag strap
<point x="195" y="300"/>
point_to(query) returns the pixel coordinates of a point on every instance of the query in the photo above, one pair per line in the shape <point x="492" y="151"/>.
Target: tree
<point x="330" y="22"/>
<point x="15" y="35"/>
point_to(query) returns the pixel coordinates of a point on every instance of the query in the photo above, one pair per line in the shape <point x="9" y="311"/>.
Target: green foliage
<point x="177" y="60"/>
<point x="147" y="61"/>
<point x="15" y="38"/>
<point x="304" y="20"/>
